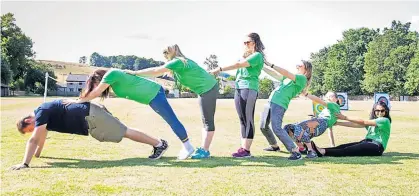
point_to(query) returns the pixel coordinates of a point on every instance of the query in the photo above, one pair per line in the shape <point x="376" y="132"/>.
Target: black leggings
<point x="245" y="100"/>
<point x="362" y="148"/>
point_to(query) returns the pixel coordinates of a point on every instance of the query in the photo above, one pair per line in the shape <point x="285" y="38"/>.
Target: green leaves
<point x="365" y="61"/>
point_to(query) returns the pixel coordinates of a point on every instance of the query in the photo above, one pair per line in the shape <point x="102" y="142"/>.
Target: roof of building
<point x="77" y="77"/>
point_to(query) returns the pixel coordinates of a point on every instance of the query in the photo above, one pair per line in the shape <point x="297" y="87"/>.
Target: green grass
<point x="78" y="165"/>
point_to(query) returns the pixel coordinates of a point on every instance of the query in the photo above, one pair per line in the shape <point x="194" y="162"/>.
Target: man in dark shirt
<point x="81" y="119"/>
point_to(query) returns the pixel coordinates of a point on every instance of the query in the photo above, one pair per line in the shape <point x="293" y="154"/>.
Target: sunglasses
<point x="165" y="52"/>
<point x="382" y="111"/>
<point x="298" y="66"/>
<point x="247" y="42"/>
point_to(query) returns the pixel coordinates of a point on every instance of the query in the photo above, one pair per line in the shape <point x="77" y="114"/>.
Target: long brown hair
<point x="259" y="47"/>
<point x="309" y="71"/>
<point x="93" y="79"/>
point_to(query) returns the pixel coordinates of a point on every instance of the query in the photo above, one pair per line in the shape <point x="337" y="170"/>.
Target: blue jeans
<point x="160" y="105"/>
<point x="277" y="114"/>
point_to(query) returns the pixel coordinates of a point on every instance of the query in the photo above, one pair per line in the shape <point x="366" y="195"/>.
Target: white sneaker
<point x="185" y="153"/>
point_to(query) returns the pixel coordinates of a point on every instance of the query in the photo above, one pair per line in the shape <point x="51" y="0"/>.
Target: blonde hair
<point x="178" y="53"/>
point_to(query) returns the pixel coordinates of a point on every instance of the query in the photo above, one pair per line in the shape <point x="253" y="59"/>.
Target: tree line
<point x="367" y="60"/>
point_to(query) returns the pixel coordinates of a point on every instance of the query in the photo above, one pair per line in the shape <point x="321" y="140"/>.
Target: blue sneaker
<point x="200" y="153"/>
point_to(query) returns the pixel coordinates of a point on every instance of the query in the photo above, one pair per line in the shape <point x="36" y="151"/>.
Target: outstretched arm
<point x="38" y="135"/>
<point x="152" y="71"/>
<point x="349" y="124"/>
<point x="358" y="121"/>
<point x="240" y="64"/>
<point x="316" y="99"/>
<point x="272" y="73"/>
<point x="95" y="93"/>
<point x="41" y="145"/>
<point x="281" y="71"/>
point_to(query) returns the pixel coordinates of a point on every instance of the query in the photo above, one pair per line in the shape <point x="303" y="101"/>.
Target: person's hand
<point x="19" y="166"/>
<point x="215" y="71"/>
<point x="341" y="116"/>
<point x="67" y="102"/>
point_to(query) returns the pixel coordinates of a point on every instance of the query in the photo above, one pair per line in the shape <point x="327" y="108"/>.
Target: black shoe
<point x="295" y="156"/>
<point x="303" y="151"/>
<point x="272" y="149"/>
<point x="159" y="151"/>
<point x="311" y="154"/>
<point x="313" y="145"/>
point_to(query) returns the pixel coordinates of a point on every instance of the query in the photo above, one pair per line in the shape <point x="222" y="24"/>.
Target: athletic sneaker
<point x="272" y="149"/>
<point x="295" y="156"/>
<point x="185" y="153"/>
<point x="311" y="154"/>
<point x="242" y="153"/>
<point x="200" y="153"/>
<point x="313" y="145"/>
<point x="159" y="151"/>
<point x="303" y="150"/>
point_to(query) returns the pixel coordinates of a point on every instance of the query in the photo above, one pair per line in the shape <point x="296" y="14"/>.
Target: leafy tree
<point x="16" y="48"/>
<point x="211" y="62"/>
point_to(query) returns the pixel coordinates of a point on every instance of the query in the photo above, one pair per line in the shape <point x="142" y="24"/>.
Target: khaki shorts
<point x="103" y="126"/>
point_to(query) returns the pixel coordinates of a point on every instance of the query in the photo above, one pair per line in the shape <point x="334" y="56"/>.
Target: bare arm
<point x="316" y="99"/>
<point x="37" y="136"/>
<point x="153" y="71"/>
<point x="272" y="73"/>
<point x="282" y="71"/>
<point x="95" y="93"/>
<point x="349" y="124"/>
<point x="240" y="64"/>
<point x="358" y="121"/>
<point x="41" y="144"/>
<point x="331" y="137"/>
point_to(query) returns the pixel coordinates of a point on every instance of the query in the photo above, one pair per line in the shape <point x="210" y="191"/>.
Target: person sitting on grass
<point x="81" y="119"/>
<point x="303" y="132"/>
<point x="378" y="133"/>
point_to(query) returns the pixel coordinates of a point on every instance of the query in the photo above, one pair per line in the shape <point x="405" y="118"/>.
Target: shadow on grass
<point x="213" y="162"/>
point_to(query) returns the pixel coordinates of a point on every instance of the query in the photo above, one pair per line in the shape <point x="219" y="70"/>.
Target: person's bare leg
<point x="331" y="137"/>
<point x="207" y="139"/>
<point x="246" y="143"/>
<point x="309" y="147"/>
<point x="136" y="135"/>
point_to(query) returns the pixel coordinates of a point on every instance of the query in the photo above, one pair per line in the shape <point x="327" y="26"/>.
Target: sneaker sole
<point x="187" y="156"/>
<point x="296" y="159"/>
<point x="160" y="154"/>
<point x="244" y="157"/>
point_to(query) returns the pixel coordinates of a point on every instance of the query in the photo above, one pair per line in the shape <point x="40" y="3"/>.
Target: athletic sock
<point x="160" y="144"/>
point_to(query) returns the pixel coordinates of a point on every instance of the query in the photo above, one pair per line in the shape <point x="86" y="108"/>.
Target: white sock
<point x="160" y="144"/>
<point x="187" y="145"/>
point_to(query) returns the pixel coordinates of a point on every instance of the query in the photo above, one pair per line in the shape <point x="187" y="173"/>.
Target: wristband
<point x="272" y="65"/>
<point x="221" y="69"/>
<point x="25" y="164"/>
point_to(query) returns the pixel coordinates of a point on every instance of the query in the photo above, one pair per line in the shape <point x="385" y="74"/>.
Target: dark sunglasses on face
<point x="247" y="42"/>
<point x="382" y="111"/>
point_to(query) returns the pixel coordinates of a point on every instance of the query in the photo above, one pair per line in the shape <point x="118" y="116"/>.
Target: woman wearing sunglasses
<point x="291" y="85"/>
<point x="193" y="76"/>
<point x="375" y="142"/>
<point x="247" y="85"/>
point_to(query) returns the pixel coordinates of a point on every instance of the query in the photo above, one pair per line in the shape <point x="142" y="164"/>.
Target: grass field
<point x="78" y="165"/>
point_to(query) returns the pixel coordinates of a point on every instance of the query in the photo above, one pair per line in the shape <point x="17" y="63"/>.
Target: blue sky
<point x="290" y="30"/>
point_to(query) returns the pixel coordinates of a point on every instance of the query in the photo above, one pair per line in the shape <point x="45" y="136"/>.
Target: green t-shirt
<point x="192" y="75"/>
<point x="380" y="132"/>
<point x="288" y="89"/>
<point x="248" y="77"/>
<point x="131" y="87"/>
<point x="329" y="113"/>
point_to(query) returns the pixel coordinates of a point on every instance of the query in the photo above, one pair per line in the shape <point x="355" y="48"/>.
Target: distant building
<point x="75" y="82"/>
<point x="5" y="91"/>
